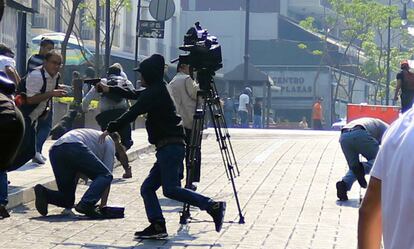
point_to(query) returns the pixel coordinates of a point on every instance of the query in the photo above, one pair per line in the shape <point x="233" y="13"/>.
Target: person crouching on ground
<point x="79" y="152"/>
<point x="360" y="137"/>
<point x="167" y="134"/>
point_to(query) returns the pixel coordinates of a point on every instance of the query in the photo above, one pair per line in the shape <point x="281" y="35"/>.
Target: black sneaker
<point x="217" y="210"/>
<point x="3" y="212"/>
<point x="89" y="210"/>
<point x="359" y="173"/>
<point x="156" y="230"/>
<point x="341" y="191"/>
<point x="41" y="200"/>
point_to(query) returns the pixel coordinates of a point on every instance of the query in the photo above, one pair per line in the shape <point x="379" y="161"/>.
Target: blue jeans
<point x="244" y="120"/>
<point x="353" y="144"/>
<point x="257" y="121"/>
<point x="3" y="188"/>
<point x="228" y="116"/>
<point x="43" y="128"/>
<point x="165" y="173"/>
<point x="67" y="161"/>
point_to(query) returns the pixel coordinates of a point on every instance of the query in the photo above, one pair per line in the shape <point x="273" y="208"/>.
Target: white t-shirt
<point x="243" y="100"/>
<point x="6" y="62"/>
<point x="394" y="166"/>
<point x="90" y="138"/>
<point x="34" y="83"/>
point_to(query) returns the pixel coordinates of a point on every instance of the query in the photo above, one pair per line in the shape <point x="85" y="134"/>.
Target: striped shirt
<point x="34" y="61"/>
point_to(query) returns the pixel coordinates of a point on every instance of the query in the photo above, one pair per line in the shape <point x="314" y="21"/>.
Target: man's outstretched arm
<point x="370" y="221"/>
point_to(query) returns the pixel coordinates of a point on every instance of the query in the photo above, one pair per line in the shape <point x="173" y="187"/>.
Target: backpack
<point x="408" y="80"/>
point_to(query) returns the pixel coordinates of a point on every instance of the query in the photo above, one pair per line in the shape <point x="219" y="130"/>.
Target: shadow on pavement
<point x="350" y="203"/>
<point x="92" y="245"/>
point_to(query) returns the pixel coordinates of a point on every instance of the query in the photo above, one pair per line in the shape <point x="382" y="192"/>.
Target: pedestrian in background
<point x="387" y="208"/>
<point x="244" y="107"/>
<point x="359" y="137"/>
<point x="37" y="60"/>
<point x="228" y="110"/>
<point x="257" y="111"/>
<point x="405" y="83"/>
<point x="317" y="115"/>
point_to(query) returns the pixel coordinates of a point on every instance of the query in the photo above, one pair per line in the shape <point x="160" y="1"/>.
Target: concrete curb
<point x="26" y="194"/>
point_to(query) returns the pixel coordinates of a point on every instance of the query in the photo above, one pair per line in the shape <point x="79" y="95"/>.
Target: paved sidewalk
<point x="286" y="189"/>
<point x="24" y="179"/>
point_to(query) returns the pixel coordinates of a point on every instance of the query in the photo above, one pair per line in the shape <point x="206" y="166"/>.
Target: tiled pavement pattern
<point x="286" y="188"/>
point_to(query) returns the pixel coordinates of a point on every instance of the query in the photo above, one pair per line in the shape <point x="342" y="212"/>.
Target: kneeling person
<point x="360" y="137"/>
<point x="79" y="152"/>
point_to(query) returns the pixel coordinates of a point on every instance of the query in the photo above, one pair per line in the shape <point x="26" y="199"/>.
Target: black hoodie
<point x="155" y="101"/>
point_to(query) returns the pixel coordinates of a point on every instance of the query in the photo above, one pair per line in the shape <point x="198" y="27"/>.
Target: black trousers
<point x="197" y="166"/>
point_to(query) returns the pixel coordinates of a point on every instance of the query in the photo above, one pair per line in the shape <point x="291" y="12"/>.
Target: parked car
<point x="338" y="125"/>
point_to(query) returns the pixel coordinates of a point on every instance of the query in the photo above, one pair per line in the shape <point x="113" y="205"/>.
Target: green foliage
<point x="317" y="52"/>
<point x="302" y="46"/>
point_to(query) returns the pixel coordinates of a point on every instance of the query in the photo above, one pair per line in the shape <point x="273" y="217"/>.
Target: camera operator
<point x="11" y="134"/>
<point x="77" y="152"/>
<point x="166" y="133"/>
<point x="184" y="92"/>
<point x="112" y="106"/>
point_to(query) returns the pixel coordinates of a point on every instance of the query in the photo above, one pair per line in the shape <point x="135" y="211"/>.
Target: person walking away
<point x="317" y="114"/>
<point x="361" y="136"/>
<point x="405" y="84"/>
<point x="167" y="134"/>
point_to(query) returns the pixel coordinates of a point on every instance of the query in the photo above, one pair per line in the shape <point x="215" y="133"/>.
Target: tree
<point x="75" y="5"/>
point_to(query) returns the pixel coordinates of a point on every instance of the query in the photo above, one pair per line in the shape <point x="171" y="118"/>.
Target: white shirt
<point x="183" y="89"/>
<point x="243" y="100"/>
<point x="34" y="83"/>
<point x="6" y="62"/>
<point x="90" y="138"/>
<point x="394" y="166"/>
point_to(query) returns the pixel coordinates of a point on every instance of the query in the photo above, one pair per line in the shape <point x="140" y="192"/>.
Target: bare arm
<point x="104" y="198"/>
<point x="36" y="99"/>
<point x="370" y="221"/>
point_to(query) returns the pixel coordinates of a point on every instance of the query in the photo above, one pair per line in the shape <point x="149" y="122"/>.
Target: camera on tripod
<point x="204" y="53"/>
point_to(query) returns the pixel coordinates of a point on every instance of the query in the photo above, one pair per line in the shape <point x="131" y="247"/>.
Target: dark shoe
<point x="156" y="230"/>
<point x="127" y="174"/>
<point x="3" y="212"/>
<point x="359" y="173"/>
<point x="89" y="210"/>
<point x="41" y="200"/>
<point x="341" y="191"/>
<point x="217" y="210"/>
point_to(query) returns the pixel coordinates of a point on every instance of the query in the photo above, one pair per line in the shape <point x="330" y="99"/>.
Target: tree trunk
<point x="75" y="5"/>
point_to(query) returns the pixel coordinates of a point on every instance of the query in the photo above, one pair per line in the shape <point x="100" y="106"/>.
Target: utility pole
<point x="137" y="40"/>
<point x="98" y="39"/>
<point x="107" y="33"/>
<point x="246" y="44"/>
<point x="387" y="86"/>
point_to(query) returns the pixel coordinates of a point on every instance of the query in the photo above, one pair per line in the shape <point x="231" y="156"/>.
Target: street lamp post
<point x="403" y="22"/>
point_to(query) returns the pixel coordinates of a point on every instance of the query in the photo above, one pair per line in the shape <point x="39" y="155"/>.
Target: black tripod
<point x="207" y="97"/>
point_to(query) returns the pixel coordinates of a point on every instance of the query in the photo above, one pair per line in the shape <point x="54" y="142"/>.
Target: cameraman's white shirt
<point x="394" y="166"/>
<point x="183" y="90"/>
